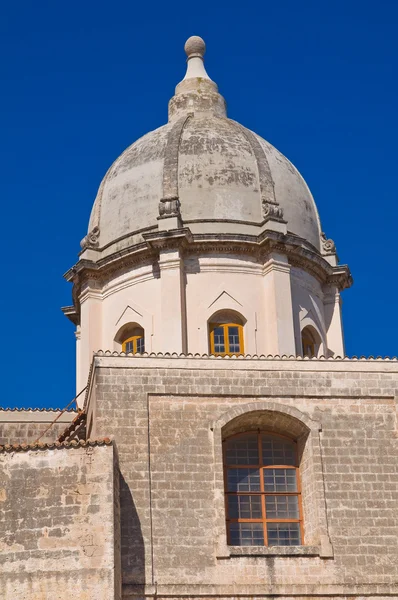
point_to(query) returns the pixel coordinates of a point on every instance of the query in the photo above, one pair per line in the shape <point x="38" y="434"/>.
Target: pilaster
<point x="173" y="333"/>
<point x="333" y="321"/>
<point x="279" y="329"/>
<point x="90" y="333"/>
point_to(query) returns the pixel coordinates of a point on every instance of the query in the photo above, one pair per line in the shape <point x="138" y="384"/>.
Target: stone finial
<point x="195" y="46"/>
<point x="195" y="49"/>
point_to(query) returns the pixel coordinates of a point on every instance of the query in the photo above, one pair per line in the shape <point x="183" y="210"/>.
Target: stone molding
<point x="298" y="253"/>
<point x="237" y="411"/>
<point x="169" y="205"/>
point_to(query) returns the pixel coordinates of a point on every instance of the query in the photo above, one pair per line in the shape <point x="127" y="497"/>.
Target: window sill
<point x="232" y="551"/>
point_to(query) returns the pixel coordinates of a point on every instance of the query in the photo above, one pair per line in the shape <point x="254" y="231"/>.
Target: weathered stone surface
<point x="17" y="426"/>
<point x="164" y="414"/>
<point x="59" y="524"/>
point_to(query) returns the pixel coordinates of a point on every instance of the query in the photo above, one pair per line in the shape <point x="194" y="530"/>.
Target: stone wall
<point x="19" y="426"/>
<point x="59" y="523"/>
<point x="168" y="416"/>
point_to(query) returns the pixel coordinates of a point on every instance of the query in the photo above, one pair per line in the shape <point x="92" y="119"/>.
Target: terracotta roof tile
<point x="247" y="356"/>
<point x="77" y="421"/>
<point x="55" y="445"/>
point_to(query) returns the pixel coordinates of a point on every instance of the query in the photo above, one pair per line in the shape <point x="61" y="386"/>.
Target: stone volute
<point x="187" y="221"/>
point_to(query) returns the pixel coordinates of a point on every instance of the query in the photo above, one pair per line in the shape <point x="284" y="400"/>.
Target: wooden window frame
<point x="134" y="339"/>
<point x="213" y="326"/>
<point x="262" y="493"/>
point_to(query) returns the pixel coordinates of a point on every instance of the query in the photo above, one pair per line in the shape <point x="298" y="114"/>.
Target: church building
<point x="221" y="444"/>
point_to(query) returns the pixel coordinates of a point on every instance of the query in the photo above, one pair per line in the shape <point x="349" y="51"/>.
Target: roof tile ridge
<point x="71" y="428"/>
<point x="35" y="409"/>
<point x="23" y="447"/>
<point x="291" y="357"/>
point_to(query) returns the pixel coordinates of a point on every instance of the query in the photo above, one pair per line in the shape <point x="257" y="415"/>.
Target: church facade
<point x="222" y="444"/>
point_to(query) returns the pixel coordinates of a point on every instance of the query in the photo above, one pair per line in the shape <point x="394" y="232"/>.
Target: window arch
<point x="226" y="334"/>
<point x="262" y="490"/>
<point x="132" y="338"/>
<point x="310" y="342"/>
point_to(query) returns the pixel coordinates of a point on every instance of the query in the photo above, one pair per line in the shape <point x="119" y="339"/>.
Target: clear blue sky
<point x="83" y="80"/>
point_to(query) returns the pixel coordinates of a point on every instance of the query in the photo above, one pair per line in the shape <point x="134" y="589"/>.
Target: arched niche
<point x="130" y="338"/>
<point x="311" y="341"/>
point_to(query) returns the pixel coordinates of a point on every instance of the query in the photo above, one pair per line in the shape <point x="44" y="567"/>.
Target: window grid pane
<point x="280" y="480"/>
<point x="282" y="507"/>
<point x="277" y="451"/>
<point x="233" y="340"/>
<point x="283" y="534"/>
<point x="219" y="340"/>
<point x="258" y="491"/>
<point x="243" y="480"/>
<point x="140" y="345"/>
<point x="246" y="534"/>
<point x="244" y="507"/>
<point x="242" y="450"/>
<point x="129" y="346"/>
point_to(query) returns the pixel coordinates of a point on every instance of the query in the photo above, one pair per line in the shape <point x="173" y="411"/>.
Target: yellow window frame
<point x="225" y="326"/>
<point x="134" y="339"/>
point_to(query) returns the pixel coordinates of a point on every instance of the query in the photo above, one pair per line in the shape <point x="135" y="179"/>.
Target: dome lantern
<point x="196" y="93"/>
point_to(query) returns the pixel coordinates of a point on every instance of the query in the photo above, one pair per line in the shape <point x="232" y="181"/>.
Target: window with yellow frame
<point x="135" y="342"/>
<point x="226" y="338"/>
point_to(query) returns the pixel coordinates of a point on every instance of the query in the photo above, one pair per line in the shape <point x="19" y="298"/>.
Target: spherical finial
<point x="195" y="46"/>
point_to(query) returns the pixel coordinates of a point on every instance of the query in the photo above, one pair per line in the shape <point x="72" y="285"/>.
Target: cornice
<point x="299" y="253"/>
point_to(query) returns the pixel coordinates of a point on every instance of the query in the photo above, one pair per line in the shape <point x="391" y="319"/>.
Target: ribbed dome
<point x="223" y="177"/>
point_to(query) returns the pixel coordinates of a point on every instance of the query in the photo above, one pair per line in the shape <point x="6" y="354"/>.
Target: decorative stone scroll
<point x="169" y="207"/>
<point x="328" y="245"/>
<point x="91" y="240"/>
<point x="271" y="210"/>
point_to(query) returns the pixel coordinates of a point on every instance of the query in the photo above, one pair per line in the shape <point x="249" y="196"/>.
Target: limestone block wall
<point x="59" y="523"/>
<point x="19" y="426"/>
<point x="168" y="417"/>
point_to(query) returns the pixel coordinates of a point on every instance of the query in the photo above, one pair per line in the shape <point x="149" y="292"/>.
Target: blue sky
<point x="82" y="80"/>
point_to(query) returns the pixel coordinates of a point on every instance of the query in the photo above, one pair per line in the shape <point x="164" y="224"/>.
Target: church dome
<point x="215" y="174"/>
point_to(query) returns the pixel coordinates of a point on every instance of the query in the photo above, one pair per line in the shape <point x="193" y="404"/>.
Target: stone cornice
<point x="299" y="253"/>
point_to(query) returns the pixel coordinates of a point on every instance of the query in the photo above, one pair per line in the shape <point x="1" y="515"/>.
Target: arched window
<point x="262" y="490"/>
<point x="133" y="340"/>
<point x="310" y="342"/>
<point x="226" y="334"/>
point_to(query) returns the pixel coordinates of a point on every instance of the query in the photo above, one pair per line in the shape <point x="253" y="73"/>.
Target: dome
<point x="215" y="174"/>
